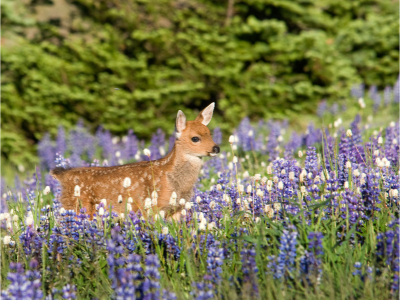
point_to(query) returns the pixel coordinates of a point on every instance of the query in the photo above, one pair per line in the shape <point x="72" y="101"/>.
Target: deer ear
<point x="206" y="114"/>
<point x="180" y="123"/>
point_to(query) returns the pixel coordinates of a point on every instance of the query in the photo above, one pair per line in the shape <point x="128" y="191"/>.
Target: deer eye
<point x="195" y="139"/>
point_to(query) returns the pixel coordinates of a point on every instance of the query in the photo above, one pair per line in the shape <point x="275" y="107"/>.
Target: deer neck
<point x="184" y="170"/>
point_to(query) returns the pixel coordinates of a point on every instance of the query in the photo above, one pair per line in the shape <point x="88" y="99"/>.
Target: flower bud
<point x="147" y="152"/>
<point x="231" y="139"/>
<point x="120" y="199"/>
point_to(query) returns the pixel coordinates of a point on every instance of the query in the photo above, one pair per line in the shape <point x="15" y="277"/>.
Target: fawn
<point x="165" y="180"/>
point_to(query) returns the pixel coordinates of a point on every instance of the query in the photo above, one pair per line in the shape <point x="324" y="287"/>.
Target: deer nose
<point x="215" y="149"/>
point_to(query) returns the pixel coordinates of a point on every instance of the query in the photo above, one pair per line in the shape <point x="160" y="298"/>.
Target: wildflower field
<point x="279" y="214"/>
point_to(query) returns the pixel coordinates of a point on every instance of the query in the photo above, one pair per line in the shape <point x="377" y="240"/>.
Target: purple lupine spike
<point x="322" y="107"/>
<point x="396" y="91"/>
<point x="311" y="261"/>
<point x="105" y="142"/>
<point x="157" y="146"/>
<point x="245" y="133"/>
<point x="61" y="143"/>
<point x="217" y="135"/>
<point x="131" y="146"/>
<point x="250" y="270"/>
<point x="215" y="258"/>
<point x="46" y="152"/>
<point x="151" y="284"/>
<point x="283" y="265"/>
<point x="357" y="91"/>
<point x="21" y="287"/>
<point x="272" y="144"/>
<point x="387" y="95"/>
<point x="334" y="109"/>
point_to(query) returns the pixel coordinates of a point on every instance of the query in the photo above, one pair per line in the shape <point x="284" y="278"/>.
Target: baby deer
<point x="159" y="184"/>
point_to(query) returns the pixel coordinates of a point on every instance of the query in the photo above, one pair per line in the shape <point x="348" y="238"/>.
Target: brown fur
<point x="177" y="172"/>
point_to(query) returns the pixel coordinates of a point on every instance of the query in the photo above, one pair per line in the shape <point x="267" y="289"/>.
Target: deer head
<point x="194" y="137"/>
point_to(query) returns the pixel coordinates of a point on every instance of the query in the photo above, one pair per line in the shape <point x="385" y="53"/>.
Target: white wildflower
<point x="202" y="226"/>
<point x="250" y="133"/>
<point x="211" y="226"/>
<point x="300" y="153"/>
<point x="361" y="102"/>
<point x="147" y="203"/>
<point x="349" y="133"/>
<point x="117" y="154"/>
<point x="249" y="189"/>
<point x="46" y="190"/>
<point x="269" y="170"/>
<point x="258" y="220"/>
<point x="257" y="177"/>
<point x="182" y="201"/>
<point x="380" y="140"/>
<point x="346" y="184"/>
<point x="291" y="175"/>
<point x="101" y="211"/>
<point x="162" y="150"/>
<point x="104" y="201"/>
<point x="172" y="200"/>
<point x="241" y="188"/>
<point x="260" y="193"/>
<point x="183" y="212"/>
<point x="231" y="139"/>
<point x="226" y="198"/>
<point x="188" y="205"/>
<point x="165" y="230"/>
<point x="246" y="174"/>
<point x="234" y="159"/>
<point x="6" y="240"/>
<point x="130" y="200"/>
<point x="356" y="173"/>
<point x="128" y="207"/>
<point x="219" y="187"/>
<point x="277" y="206"/>
<point x="77" y="191"/>
<point x="198" y="199"/>
<point x="120" y="199"/>
<point x="212" y="204"/>
<point x="280" y="185"/>
<point x="348" y="164"/>
<point x="147" y="152"/>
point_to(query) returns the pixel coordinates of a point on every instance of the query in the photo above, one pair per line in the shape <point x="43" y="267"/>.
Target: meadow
<point x="279" y="214"/>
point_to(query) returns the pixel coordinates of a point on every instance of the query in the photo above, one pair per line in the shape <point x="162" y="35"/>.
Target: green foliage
<point x="133" y="64"/>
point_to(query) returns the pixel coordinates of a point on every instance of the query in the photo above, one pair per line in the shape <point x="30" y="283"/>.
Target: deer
<point x="133" y="185"/>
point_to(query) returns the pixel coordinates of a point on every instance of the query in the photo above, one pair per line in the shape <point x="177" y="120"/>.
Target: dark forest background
<point x="132" y="64"/>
